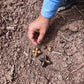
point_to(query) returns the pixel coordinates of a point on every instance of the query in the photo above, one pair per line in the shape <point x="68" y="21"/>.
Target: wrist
<point x="44" y="18"/>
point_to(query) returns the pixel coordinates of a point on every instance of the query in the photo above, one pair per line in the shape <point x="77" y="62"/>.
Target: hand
<point x="37" y="29"/>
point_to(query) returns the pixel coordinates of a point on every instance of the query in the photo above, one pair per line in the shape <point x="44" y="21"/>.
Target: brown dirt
<point x="65" y="34"/>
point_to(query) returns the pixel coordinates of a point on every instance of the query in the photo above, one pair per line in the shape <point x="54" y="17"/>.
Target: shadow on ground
<point x="61" y="19"/>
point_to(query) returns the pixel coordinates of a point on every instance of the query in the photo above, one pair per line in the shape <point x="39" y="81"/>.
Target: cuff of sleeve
<point x="50" y="7"/>
<point x="47" y="14"/>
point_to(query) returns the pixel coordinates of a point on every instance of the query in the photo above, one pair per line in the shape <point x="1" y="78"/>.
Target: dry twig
<point x="82" y="65"/>
<point x="57" y="52"/>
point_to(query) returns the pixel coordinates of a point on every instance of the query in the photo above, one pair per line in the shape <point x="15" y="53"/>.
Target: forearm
<point x="50" y="7"/>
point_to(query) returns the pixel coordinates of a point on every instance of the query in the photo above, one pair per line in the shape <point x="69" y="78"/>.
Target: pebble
<point x="16" y="21"/>
<point x="10" y="18"/>
<point x="18" y="71"/>
<point x="29" y="61"/>
<point x="7" y="35"/>
<point x="22" y="65"/>
<point x="64" y="59"/>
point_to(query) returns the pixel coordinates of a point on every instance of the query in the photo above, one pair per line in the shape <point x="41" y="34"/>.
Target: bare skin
<point x="37" y="29"/>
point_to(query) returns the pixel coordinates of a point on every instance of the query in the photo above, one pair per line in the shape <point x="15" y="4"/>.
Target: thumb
<point x="40" y="38"/>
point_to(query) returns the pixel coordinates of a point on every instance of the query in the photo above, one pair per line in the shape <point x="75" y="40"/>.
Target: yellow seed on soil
<point x="47" y="61"/>
<point x="50" y="48"/>
<point x="36" y="49"/>
<point x="35" y="54"/>
<point x="39" y="52"/>
<point x="33" y="51"/>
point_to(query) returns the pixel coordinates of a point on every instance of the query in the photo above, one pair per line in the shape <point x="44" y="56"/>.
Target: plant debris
<point x="49" y="48"/>
<point x="11" y="74"/>
<point x="64" y="53"/>
<point x="36" y="51"/>
<point x="57" y="52"/>
<point x="82" y="65"/>
<point x="45" y="61"/>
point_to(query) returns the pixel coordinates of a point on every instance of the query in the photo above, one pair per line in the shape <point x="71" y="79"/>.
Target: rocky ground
<point x="18" y="65"/>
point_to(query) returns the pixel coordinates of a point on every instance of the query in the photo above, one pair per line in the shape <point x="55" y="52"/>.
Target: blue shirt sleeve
<point x="50" y="7"/>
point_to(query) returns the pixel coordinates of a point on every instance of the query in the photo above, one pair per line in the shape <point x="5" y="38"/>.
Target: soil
<point x="65" y="34"/>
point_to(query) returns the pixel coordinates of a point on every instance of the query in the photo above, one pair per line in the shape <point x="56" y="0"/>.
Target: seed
<point x="33" y="51"/>
<point x="35" y="54"/>
<point x="50" y="48"/>
<point x="48" y="62"/>
<point x="39" y="52"/>
<point x="36" y="49"/>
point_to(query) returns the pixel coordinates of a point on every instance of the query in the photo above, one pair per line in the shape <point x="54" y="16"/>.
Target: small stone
<point x="29" y="61"/>
<point x="22" y="65"/>
<point x="16" y="21"/>
<point x="25" y="53"/>
<point x="10" y="18"/>
<point x="18" y="71"/>
<point x="7" y="35"/>
<point x="6" y="45"/>
<point x="64" y="59"/>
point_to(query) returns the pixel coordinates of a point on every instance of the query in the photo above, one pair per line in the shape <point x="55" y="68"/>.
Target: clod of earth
<point x="49" y="48"/>
<point x="36" y="51"/>
<point x="2" y="32"/>
<point x="45" y="61"/>
<point x="44" y="47"/>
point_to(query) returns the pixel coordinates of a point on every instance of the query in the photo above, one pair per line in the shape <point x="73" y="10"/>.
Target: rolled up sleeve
<point x="50" y="7"/>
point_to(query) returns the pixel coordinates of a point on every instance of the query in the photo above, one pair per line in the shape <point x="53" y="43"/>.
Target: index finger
<point x="31" y="35"/>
